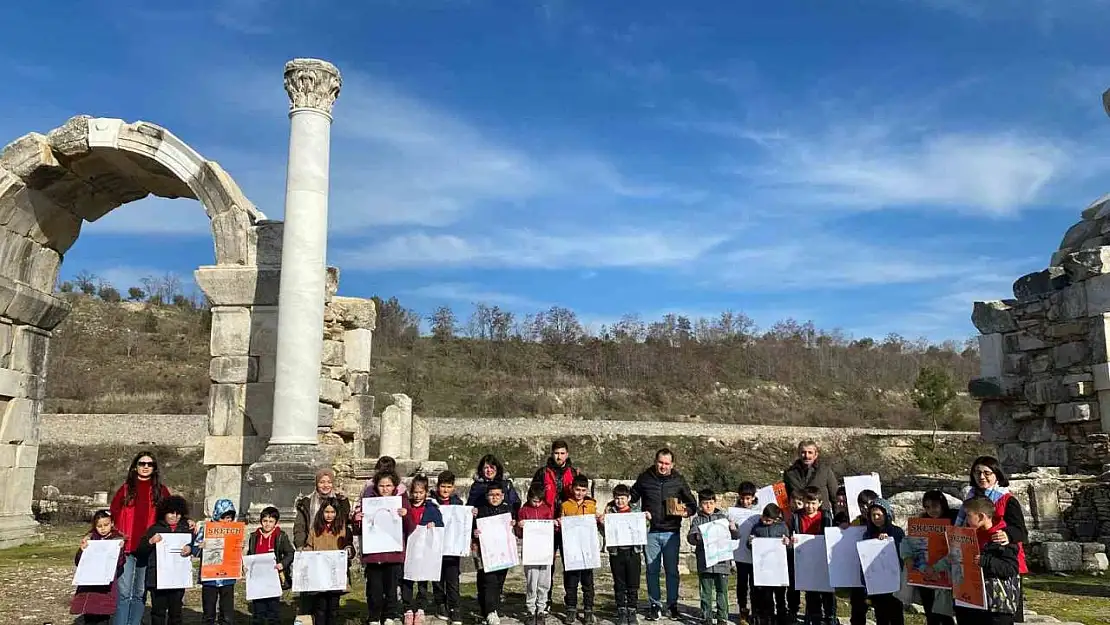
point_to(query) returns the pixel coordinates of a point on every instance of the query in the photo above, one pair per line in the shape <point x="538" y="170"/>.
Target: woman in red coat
<point x="97" y="603"/>
<point x="133" y="511"/>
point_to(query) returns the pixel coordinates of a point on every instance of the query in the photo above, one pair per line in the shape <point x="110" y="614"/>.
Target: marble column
<point x="287" y="467"/>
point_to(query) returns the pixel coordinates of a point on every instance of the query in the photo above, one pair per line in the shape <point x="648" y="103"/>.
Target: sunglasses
<point x="144" y="463"/>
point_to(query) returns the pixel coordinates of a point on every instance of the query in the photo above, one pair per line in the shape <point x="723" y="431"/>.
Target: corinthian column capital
<point x="313" y="84"/>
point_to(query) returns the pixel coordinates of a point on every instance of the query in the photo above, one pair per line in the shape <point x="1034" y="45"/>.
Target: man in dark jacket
<point x="808" y="471"/>
<point x="652" y="489"/>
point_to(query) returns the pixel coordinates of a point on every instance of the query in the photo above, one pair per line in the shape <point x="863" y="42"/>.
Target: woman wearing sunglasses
<point x="133" y="510"/>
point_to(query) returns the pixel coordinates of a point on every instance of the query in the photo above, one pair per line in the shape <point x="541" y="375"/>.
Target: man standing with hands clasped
<point x="663" y="492"/>
<point x="808" y="471"/>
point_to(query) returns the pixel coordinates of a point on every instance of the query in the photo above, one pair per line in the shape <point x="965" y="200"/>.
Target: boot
<point x="588" y="617"/>
<point x="633" y="616"/>
<point x="571" y="616"/>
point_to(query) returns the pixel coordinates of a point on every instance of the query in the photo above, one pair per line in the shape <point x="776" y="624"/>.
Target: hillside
<point x="149" y="357"/>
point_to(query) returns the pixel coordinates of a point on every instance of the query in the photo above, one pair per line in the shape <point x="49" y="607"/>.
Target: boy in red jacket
<point x="537" y="579"/>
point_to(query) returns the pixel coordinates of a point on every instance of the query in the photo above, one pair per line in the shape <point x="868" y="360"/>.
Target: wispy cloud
<point x="526" y="249"/>
<point x="471" y="293"/>
<point x="153" y="215"/>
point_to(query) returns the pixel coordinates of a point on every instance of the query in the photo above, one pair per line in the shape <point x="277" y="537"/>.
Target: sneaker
<point x="673" y="612"/>
<point x="441" y="612"/>
<point x="588" y="618"/>
<point x="493" y="619"/>
<point x="654" y="613"/>
<point x="419" y="618"/>
<point x="408" y="618"/>
<point x="570" y="617"/>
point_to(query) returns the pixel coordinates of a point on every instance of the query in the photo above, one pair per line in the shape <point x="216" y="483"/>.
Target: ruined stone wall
<point x="1045" y="377"/>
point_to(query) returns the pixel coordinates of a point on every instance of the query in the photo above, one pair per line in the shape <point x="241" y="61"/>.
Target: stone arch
<point x="49" y="185"/>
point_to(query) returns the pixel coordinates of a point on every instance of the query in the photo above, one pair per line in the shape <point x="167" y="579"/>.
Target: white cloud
<point x="471" y="293"/>
<point x="871" y="167"/>
<point x="526" y="249"/>
<point x="153" y="215"/>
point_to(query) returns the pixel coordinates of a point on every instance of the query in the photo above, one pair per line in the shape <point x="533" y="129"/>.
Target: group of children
<point x="331" y="530"/>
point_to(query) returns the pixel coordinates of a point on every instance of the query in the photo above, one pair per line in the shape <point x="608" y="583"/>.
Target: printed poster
<point x="927" y="541"/>
<point x="968" y="589"/>
<point x="222" y="557"/>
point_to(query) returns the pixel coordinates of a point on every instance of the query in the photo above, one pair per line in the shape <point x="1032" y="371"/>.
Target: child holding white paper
<point x="813" y="519"/>
<point x="329" y="532"/>
<point x="98" y="603"/>
<point x="581" y="505"/>
<point x="446" y="590"/>
<point x="491" y="584"/>
<point x="625" y="561"/>
<point x="712" y="578"/>
<point x="269" y="538"/>
<point x="537" y="578"/>
<point x="383" y="571"/>
<point x="165" y="605"/>
<point x="857" y="597"/>
<point x="419" y="511"/>
<point x="880" y="525"/>
<point x="745" y="578"/>
<point x="769" y="602"/>
<point x="217" y="596"/>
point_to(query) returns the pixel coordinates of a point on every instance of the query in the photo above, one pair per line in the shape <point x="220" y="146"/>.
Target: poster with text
<point x="968" y="589"/>
<point x="222" y="557"/>
<point x="927" y="542"/>
<point x="776" y="494"/>
<point x="174" y="571"/>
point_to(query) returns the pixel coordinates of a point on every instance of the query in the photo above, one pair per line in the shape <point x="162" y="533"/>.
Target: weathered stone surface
<point x="233" y="369"/>
<point x="355" y="312"/>
<point x="264" y="331"/>
<point x="1095" y="563"/>
<point x="1097" y="209"/>
<point x="993" y="316"/>
<point x="1098" y="294"/>
<point x="1079" y="232"/>
<point x="43" y="270"/>
<point x="1014" y="456"/>
<point x="333" y="392"/>
<point x="264" y="241"/>
<point x="1062" y="557"/>
<point x="421" y="438"/>
<point x="396" y="435"/>
<point x="259" y="407"/>
<point x="1068" y="303"/>
<point x="1074" y="412"/>
<point x="1037" y="431"/>
<point x="1070" y="354"/>
<point x="226" y="403"/>
<point x="333" y="354"/>
<point x="223" y="481"/>
<point x="233" y="450"/>
<point x="1041" y="392"/>
<point x="990" y="355"/>
<point x="994" y="388"/>
<point x="1022" y="342"/>
<point x="996" y="424"/>
<point x="356" y="349"/>
<point x="1085" y="263"/>
<point x="29" y="345"/>
<point x="1040" y="283"/>
<point x="1049" y="455"/>
<point x="227" y="285"/>
<point x="19" y="421"/>
<point x="230" y="230"/>
<point x="326" y="416"/>
<point x="1066" y="330"/>
<point x="231" y="331"/>
<point x="359" y="383"/>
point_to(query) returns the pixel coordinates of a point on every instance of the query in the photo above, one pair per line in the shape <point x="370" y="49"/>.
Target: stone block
<point x="264" y="243"/>
<point x="267" y="367"/>
<point x="226" y="416"/>
<point x="1066" y="329"/>
<point x="224" y="481"/>
<point x="1022" y="341"/>
<point x="996" y="424"/>
<point x="43" y="271"/>
<point x="396" y="431"/>
<point x="233" y="369"/>
<point x="421" y="439"/>
<point x="993" y="317"/>
<point x="1074" y="412"/>
<point x="333" y="392"/>
<point x="259" y="407"/>
<point x="13" y="383"/>
<point x="1087" y="263"/>
<point x="1068" y="303"/>
<point x="1078" y="390"/>
<point x="1095" y="563"/>
<point x="355" y="415"/>
<point x="326" y="417"/>
<point x="1104" y="410"/>
<point x="355" y="312"/>
<point x="230" y="230"/>
<point x="1040" y="283"/>
<point x="264" y="330"/>
<point x="1092" y="548"/>
<point x="1008" y="387"/>
<point x="1062" y="557"/>
<point x="1078" y="233"/>
<point x="1037" y="431"/>
<point x="233" y="450"/>
<point x="1041" y="392"/>
<point x="333" y="354"/>
<point x="333" y="373"/>
<point x="231" y="331"/>
<point x="19" y="423"/>
<point x="1098" y="294"/>
<point x="230" y="285"/>
<point x="1070" y="354"/>
<point x="359" y="383"/>
<point x="1096" y="210"/>
<point x="990" y="355"/>
<point x="1049" y="455"/>
<point x="35" y="308"/>
<point x="26" y="456"/>
<point x="356" y="349"/>
<point x="1014" y="456"/>
<point x="29" y="345"/>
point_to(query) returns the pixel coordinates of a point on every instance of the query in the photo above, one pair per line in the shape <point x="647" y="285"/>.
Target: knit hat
<point x="222" y="507"/>
<point x="888" y="510"/>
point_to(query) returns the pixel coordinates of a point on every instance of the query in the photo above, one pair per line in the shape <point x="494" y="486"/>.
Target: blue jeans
<point x="131" y="586"/>
<point x="662" y="549"/>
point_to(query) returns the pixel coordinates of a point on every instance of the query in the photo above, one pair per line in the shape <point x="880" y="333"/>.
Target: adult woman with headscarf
<point x="988" y="479"/>
<point x="133" y="511"/>
<point x="306" y="506"/>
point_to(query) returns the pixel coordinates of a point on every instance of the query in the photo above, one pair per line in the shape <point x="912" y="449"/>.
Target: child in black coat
<point x="165" y="605"/>
<point x="1000" y="568"/>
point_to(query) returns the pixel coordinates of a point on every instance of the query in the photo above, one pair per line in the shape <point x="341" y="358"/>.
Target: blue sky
<point x="873" y="165"/>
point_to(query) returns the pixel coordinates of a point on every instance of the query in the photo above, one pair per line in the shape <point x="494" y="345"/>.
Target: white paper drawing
<point x="496" y="543"/>
<point x="174" y="570"/>
<point x="424" y="554"/>
<point x="263" y="580"/>
<point x="842" y="556"/>
<point x="745" y="519"/>
<point x="765" y="496"/>
<point x="539" y="543"/>
<point x="716" y="541"/>
<point x="769" y="562"/>
<point x="856" y="484"/>
<point x="581" y="544"/>
<point x="811" y="565"/>
<point x="319" y="571"/>
<point x="458" y="528"/>
<point x="98" y="563"/>
<point x="625" y="529"/>
<point x="381" y="525"/>
<point x="882" y="573"/>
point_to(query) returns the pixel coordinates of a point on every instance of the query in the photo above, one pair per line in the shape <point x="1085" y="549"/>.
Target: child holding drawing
<point x="581" y="505"/>
<point x="624" y="561"/>
<point x="769" y="602"/>
<point x="537" y="578"/>
<point x="269" y="538"/>
<point x="999" y="564"/>
<point x="491" y="583"/>
<point x="165" y="605"/>
<point x="712" y="578"/>
<point x="820" y="606"/>
<point x="420" y="511"/>
<point x="383" y="571"/>
<point x="446" y="590"/>
<point x="98" y="603"/>
<point x="880" y="525"/>
<point x="936" y="601"/>
<point x="329" y="532"/>
<point x="857" y="597"/>
<point x="745" y="580"/>
<point x="217" y="593"/>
